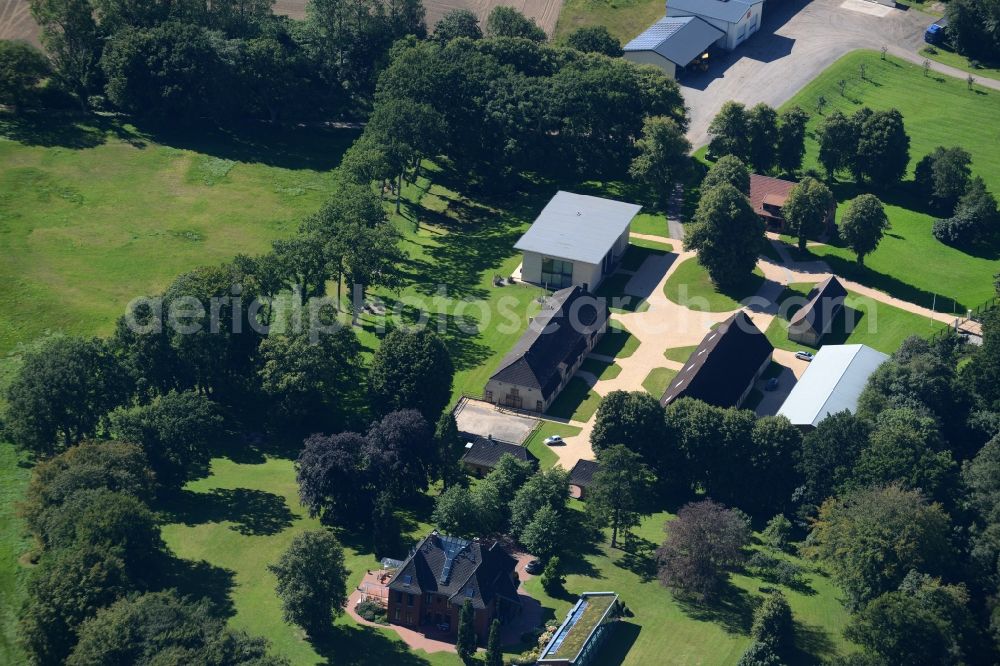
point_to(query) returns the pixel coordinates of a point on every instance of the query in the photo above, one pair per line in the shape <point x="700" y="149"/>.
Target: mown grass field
<point x="863" y="321"/>
<point x="938" y="111"/>
<point x="946" y="57"/>
<point x="623" y="18"/>
<point x="689" y="285"/>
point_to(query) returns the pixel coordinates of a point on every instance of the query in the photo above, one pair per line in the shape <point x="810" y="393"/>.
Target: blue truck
<point x="936" y="32"/>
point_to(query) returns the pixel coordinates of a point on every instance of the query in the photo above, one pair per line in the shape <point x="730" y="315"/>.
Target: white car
<point x="554" y="440"/>
<point x="804" y="355"/>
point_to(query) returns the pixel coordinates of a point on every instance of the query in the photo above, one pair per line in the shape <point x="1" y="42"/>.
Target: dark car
<point x="534" y="567"/>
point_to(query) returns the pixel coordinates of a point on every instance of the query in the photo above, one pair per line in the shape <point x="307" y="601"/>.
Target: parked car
<point x="804" y="355"/>
<point x="772" y="384"/>
<point x="936" y="32"/>
<point x="534" y="567"/>
<point x="554" y="440"/>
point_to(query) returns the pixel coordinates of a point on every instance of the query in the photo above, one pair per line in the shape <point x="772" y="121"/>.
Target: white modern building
<point x="672" y="43"/>
<point x="737" y="19"/>
<point x="832" y="383"/>
<point x="576" y="240"/>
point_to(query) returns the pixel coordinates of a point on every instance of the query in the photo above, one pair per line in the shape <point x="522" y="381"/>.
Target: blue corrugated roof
<point x="679" y="39"/>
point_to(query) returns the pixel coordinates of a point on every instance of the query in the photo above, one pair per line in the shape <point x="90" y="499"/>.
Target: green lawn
<point x="577" y="402"/>
<point x="863" y="321"/>
<point x="617" y="342"/>
<point x="680" y="354"/>
<point x="690" y="285"/>
<point x="91" y="217"/>
<point x="601" y="369"/>
<point x="13" y="479"/>
<point x="657" y="381"/>
<point x="639" y="250"/>
<point x="650" y="224"/>
<point x="938" y="111"/>
<point x="623" y="18"/>
<point x="664" y="630"/>
<point x="946" y="57"/>
<point x="536" y="442"/>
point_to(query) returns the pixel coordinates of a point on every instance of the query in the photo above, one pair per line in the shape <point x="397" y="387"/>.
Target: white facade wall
<point x="736" y="32"/>
<point x="652" y="58"/>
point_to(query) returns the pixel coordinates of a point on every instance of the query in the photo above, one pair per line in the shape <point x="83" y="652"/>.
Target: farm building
<point x="815" y="319"/>
<point x="672" y="43"/>
<point x="736" y="19"/>
<point x="832" y="383"/>
<point x="483" y="453"/>
<point x="442" y="572"/>
<point x="576" y="240"/>
<point x="768" y="196"/>
<point x="581" y="477"/>
<point x="588" y="624"/>
<point x="724" y="367"/>
<point x="549" y="353"/>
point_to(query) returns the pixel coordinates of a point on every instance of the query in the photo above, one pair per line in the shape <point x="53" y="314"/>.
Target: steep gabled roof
<point x="486" y="452"/>
<point x="726" y="10"/>
<point x="583" y="472"/>
<point x="832" y="383"/>
<point x="556" y="337"/>
<point x="770" y="190"/>
<point x="825" y="300"/>
<point x="719" y="371"/>
<point x="578" y="227"/>
<point x="458" y="569"/>
<point x="679" y="39"/>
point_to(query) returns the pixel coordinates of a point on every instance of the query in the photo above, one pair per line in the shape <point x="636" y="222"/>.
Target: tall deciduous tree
<point x="883" y="148"/>
<point x="634" y="420"/>
<point x="828" y="455"/>
<point x="730" y="132"/>
<point x="312" y="581"/>
<point x="943" y="175"/>
<point x="863" y="225"/>
<point x="458" y="23"/>
<point x="728" y="169"/>
<point x="791" y="147"/>
<point x="703" y="543"/>
<point x="727" y="234"/>
<point x="175" y="430"/>
<point x="762" y="124"/>
<point x="838" y="140"/>
<point x="594" y="39"/>
<point x="663" y="156"/>
<point x="61" y="392"/>
<point x="872" y="538"/>
<point x="808" y="205"/>
<point x="620" y="491"/>
<point x="508" y="22"/>
<point x="22" y="68"/>
<point x="73" y="41"/>
<point x="412" y="369"/>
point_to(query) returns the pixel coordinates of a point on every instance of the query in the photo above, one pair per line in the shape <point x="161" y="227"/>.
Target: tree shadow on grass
<point x="732" y="609"/>
<point x="619" y="643"/>
<point x="639" y="557"/>
<point x="52" y="130"/>
<point x="811" y="644"/>
<point x="348" y="645"/>
<point x="200" y="580"/>
<point x="253" y="512"/>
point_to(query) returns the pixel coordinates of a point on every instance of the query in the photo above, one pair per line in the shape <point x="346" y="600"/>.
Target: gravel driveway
<point x="797" y="41"/>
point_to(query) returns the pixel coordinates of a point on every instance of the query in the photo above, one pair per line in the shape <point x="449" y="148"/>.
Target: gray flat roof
<point x="578" y="227"/>
<point x="726" y="10"/>
<point x="832" y="383"/>
<point x="679" y="39"/>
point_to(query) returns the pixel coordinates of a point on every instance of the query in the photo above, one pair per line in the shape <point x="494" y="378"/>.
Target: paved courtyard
<point x="477" y="417"/>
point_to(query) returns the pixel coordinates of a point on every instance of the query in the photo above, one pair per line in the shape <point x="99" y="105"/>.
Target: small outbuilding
<point x="581" y="477"/>
<point x="550" y="352"/>
<point x="832" y="383"/>
<point x="577" y="239"/>
<point x="588" y="625"/>
<point x="815" y="319"/>
<point x="768" y="196"/>
<point x="736" y="19"/>
<point x="673" y="43"/>
<point x="483" y="453"/>
<point x="725" y="366"/>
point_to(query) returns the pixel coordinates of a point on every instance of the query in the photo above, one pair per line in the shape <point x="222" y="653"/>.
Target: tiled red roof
<point x="771" y="189"/>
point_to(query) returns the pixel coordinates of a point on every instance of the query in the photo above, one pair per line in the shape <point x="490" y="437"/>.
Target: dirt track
<point x="16" y="21"/>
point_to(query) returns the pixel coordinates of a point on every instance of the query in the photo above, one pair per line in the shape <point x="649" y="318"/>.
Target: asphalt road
<point x="797" y="41"/>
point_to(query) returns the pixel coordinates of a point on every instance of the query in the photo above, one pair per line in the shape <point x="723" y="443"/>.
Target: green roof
<point x="581" y="622"/>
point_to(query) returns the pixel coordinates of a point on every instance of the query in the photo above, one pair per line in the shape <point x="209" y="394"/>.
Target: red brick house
<point x="428" y="591"/>
<point x="768" y="196"/>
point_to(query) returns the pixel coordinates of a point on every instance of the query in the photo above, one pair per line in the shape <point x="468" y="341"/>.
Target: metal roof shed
<point x="578" y="227"/>
<point x="679" y="39"/>
<point x="832" y="383"/>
